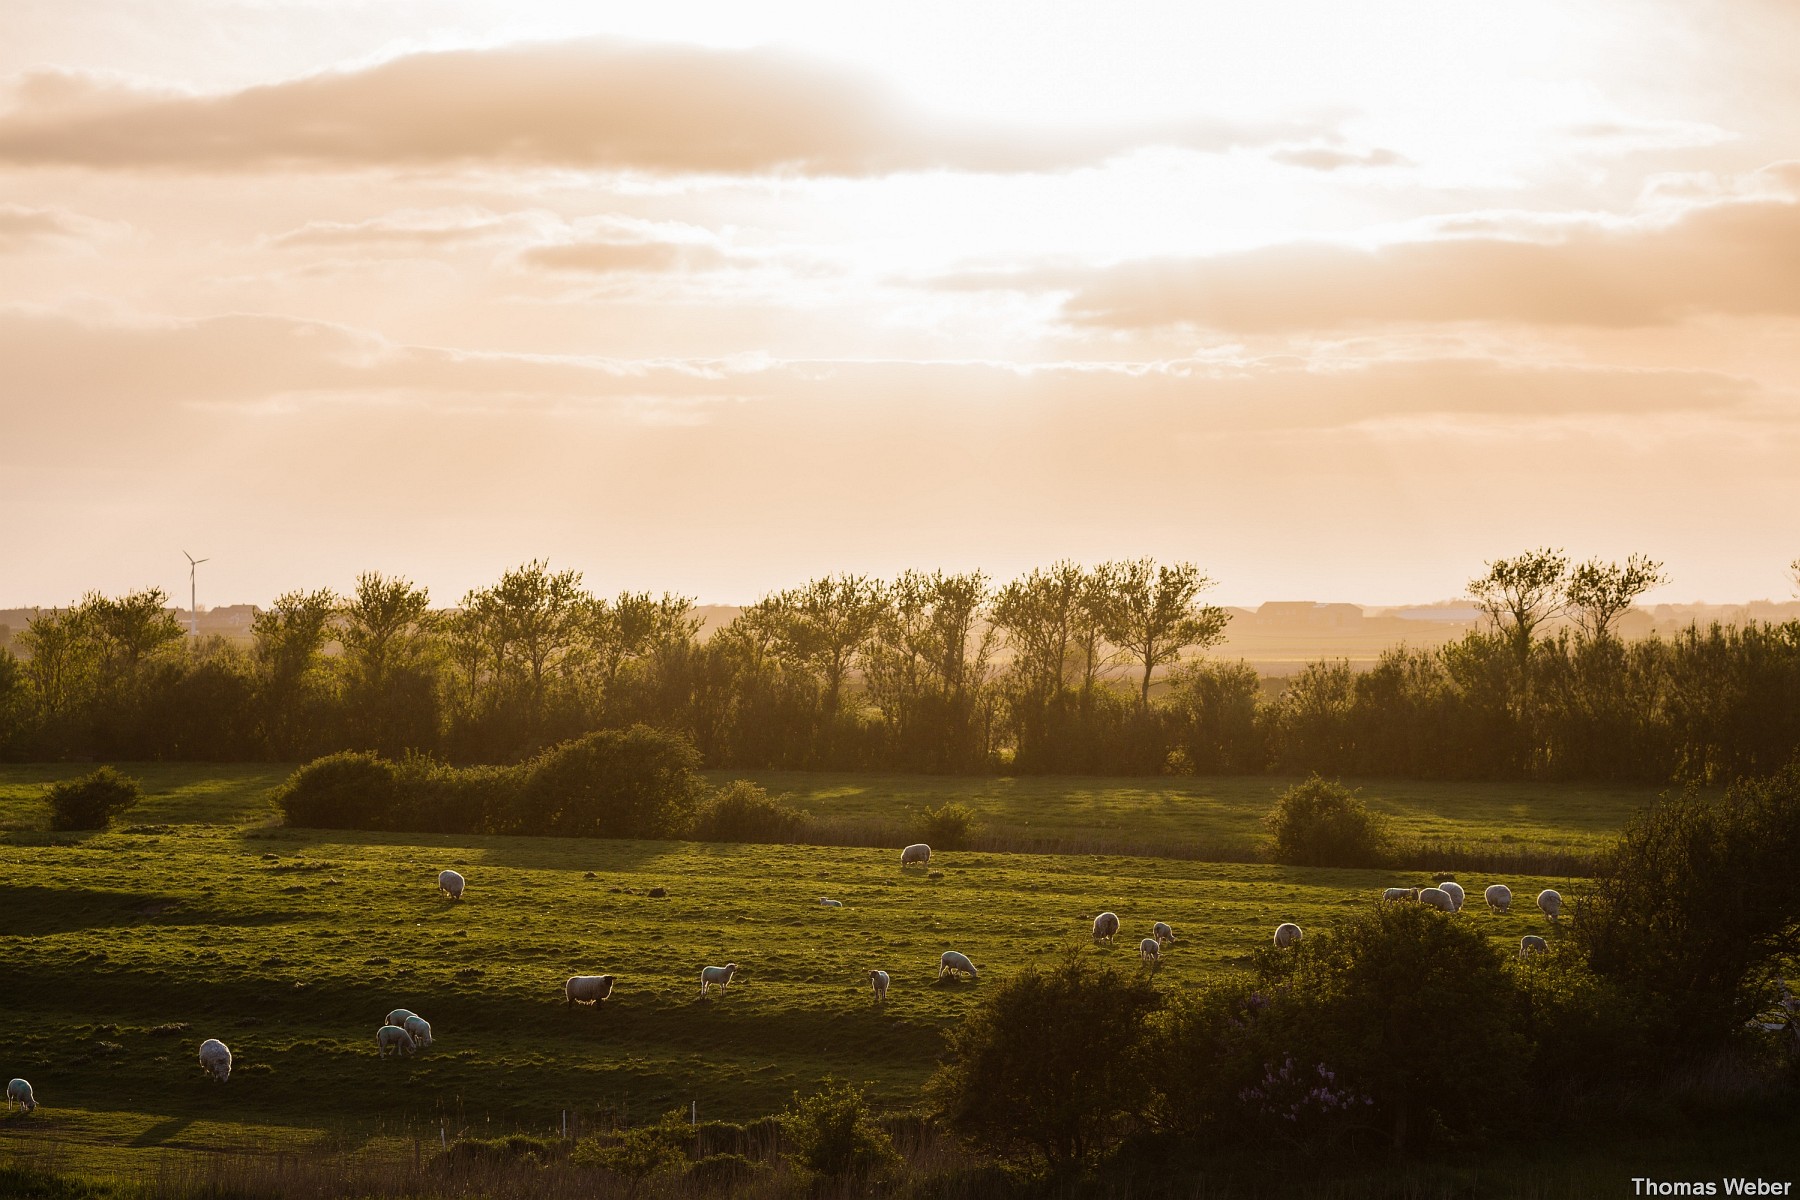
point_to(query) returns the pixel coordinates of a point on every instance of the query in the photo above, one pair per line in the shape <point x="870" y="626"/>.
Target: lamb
<point x="879" y="981"/>
<point x="1499" y="897"/>
<point x="916" y="855"/>
<point x="1531" y="944"/>
<point x="399" y="1017"/>
<point x="824" y="903"/>
<point x="1150" y="950"/>
<point x="1162" y="933"/>
<point x="952" y="963"/>
<point x="419" y="1029"/>
<point x="392" y="1037"/>
<point x="719" y="975"/>
<point x="451" y="884"/>
<point x="1400" y="894"/>
<point x="1105" y="926"/>
<point x="1456" y="893"/>
<point x="1286" y="934"/>
<point x="587" y="989"/>
<point x="1551" y="904"/>
<point x="215" y="1057"/>
<point x="1437" y="898"/>
<point x="18" y="1092"/>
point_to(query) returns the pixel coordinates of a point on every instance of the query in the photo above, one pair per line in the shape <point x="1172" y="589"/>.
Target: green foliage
<point x="833" y="1134"/>
<point x="1695" y="908"/>
<point x="1051" y="1061"/>
<point x="723" y="1171"/>
<point x="742" y="812"/>
<point x="513" y="1148"/>
<point x="1588" y="1033"/>
<point x="1322" y="823"/>
<point x="92" y="801"/>
<point x="348" y="790"/>
<point x="949" y="826"/>
<point x="639" y="1152"/>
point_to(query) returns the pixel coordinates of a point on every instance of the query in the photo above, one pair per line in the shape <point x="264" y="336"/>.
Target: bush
<point x="1050" y="1061"/>
<point x="1695" y="907"/>
<point x="632" y="783"/>
<point x="349" y="790"/>
<point x="833" y="1134"/>
<point x="1588" y="1033"/>
<point x="948" y="826"/>
<point x="723" y="1171"/>
<point x="92" y="801"/>
<point x="1322" y="823"/>
<point x="515" y="1148"/>
<point x="742" y="812"/>
<point x="638" y="1152"/>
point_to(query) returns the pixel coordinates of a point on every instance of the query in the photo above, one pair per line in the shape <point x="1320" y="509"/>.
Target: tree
<point x="1041" y="615"/>
<point x="834" y="1135"/>
<point x="1153" y="613"/>
<point x="57" y="662"/>
<point x="539" y="613"/>
<point x="927" y="667"/>
<point x="1600" y="593"/>
<point x="290" y="641"/>
<point x="379" y="619"/>
<point x="128" y="631"/>
<point x="1519" y="594"/>
<point x="637" y="626"/>
<point x="1065" y="1047"/>
<point x="832" y="620"/>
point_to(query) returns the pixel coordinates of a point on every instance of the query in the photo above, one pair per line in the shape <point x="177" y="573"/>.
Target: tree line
<point x="1067" y="669"/>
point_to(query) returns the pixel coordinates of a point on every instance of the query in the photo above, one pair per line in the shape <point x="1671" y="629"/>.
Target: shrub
<point x="515" y="1148"/>
<point x="92" y="801"/>
<point x="349" y="790"/>
<point x="631" y="783"/>
<point x="638" y="1152"/>
<point x="1587" y="1032"/>
<point x="1694" y="908"/>
<point x="949" y="826"/>
<point x="723" y="1171"/>
<point x="1322" y="823"/>
<point x="1050" y="1061"/>
<point x="833" y="1134"/>
<point x="742" y="812"/>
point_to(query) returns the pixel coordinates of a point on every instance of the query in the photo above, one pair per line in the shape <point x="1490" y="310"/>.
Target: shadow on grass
<point x="160" y="1133"/>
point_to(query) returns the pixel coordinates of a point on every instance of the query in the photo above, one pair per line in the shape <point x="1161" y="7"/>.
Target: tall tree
<point x="290" y="640"/>
<point x="833" y="619"/>
<point x="128" y="631"/>
<point x="1041" y="615"/>
<point x="379" y="620"/>
<point x="1598" y="593"/>
<point x="1519" y="594"/>
<point x="59" y="663"/>
<point x="539" y="613"/>
<point x="1153" y="613"/>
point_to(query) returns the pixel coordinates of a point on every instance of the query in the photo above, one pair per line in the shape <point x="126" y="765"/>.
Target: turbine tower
<point x="193" y="608"/>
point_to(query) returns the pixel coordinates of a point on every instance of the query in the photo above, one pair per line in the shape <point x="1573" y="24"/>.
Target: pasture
<point x="202" y="918"/>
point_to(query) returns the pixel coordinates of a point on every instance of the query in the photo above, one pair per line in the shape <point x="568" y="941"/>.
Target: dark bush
<point x="632" y="783"/>
<point x="742" y="812"/>
<point x="1588" y="1034"/>
<point x="949" y="826"/>
<point x="1322" y="823"/>
<point x="515" y="1148"/>
<point x="723" y="1171"/>
<point x="92" y="801"/>
<point x="833" y="1134"/>
<point x="1695" y="907"/>
<point x="1050" y="1061"/>
<point x="349" y="790"/>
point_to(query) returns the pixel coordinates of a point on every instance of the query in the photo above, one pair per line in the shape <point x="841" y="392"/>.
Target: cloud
<point x="1330" y="158"/>
<point x="22" y="226"/>
<point x="591" y="104"/>
<point x="412" y="229"/>
<point x="604" y="258"/>
<point x="1740" y="257"/>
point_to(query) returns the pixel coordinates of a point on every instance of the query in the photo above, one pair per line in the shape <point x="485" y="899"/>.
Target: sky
<point x="1337" y="301"/>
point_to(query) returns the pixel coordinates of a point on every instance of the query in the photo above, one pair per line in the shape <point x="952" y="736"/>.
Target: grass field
<point x="122" y="950"/>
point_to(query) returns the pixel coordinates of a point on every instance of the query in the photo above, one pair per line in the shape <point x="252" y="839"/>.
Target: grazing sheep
<point x="1150" y="950"/>
<point x="1400" y="894"/>
<point x="1456" y="893"/>
<point x="587" y="989"/>
<point x="1105" y="926"/>
<point x="419" y="1029"/>
<point x="1286" y="934"/>
<point x="879" y="981"/>
<point x="952" y="963"/>
<point x="19" y="1092"/>
<point x="1531" y="944"/>
<point x="451" y="884"/>
<point x="1162" y="933"/>
<point x="1437" y="898"/>
<point x="916" y="855"/>
<point x="399" y="1017"/>
<point x="719" y="975"/>
<point x="1551" y="903"/>
<point x="215" y="1057"/>
<point x="1499" y="897"/>
<point x="392" y="1037"/>
<point x="824" y="903"/>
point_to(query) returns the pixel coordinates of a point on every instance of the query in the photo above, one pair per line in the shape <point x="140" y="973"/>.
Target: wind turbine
<point x="193" y="608"/>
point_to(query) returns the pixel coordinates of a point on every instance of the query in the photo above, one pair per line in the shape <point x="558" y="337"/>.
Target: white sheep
<point x="392" y="1037"/>
<point x="1162" y="933"/>
<point x="1150" y="950"/>
<point x="1400" y="894"/>
<point x="451" y="884"/>
<point x="1437" y="898"/>
<point x="1498" y="896"/>
<point x="1551" y="903"/>
<point x="419" y="1029"/>
<point x="824" y="903"/>
<point x="916" y="855"/>
<point x="216" y="1058"/>
<point x="719" y="975"/>
<point x="399" y="1016"/>
<point x="1456" y="893"/>
<point x="1106" y="925"/>
<point x="587" y="989"/>
<point x="1531" y="944"/>
<point x="18" y="1092"/>
<point x="952" y="963"/>
<point x="879" y="981"/>
<point x="1286" y="934"/>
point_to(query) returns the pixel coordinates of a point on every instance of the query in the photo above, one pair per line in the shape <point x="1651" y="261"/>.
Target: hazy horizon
<point x="1332" y="302"/>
